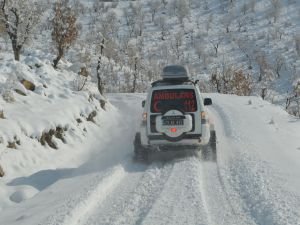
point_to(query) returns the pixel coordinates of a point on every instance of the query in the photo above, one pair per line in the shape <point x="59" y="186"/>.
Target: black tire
<point x="209" y="152"/>
<point x="140" y="152"/>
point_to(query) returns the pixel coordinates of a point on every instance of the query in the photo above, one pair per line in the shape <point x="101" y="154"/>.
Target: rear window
<point x="181" y="99"/>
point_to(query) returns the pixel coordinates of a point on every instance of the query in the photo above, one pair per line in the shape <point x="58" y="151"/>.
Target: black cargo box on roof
<point x="175" y="72"/>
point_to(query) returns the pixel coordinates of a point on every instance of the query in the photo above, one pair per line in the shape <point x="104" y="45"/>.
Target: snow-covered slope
<point x="51" y="126"/>
<point x="255" y="179"/>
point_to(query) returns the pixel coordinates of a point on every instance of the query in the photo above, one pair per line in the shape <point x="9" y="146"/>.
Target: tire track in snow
<point x="247" y="178"/>
<point x="132" y="201"/>
<point x="217" y="175"/>
<point x="181" y="201"/>
<point x="221" y="199"/>
<point x="77" y="206"/>
<point x="227" y="167"/>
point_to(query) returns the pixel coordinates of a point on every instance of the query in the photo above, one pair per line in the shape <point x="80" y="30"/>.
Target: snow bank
<point x="39" y="128"/>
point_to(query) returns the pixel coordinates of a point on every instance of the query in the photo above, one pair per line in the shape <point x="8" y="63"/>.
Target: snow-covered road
<point x="256" y="179"/>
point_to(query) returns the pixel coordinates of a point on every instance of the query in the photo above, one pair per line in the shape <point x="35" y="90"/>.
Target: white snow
<point x="54" y="104"/>
<point x="255" y="180"/>
<point x="91" y="178"/>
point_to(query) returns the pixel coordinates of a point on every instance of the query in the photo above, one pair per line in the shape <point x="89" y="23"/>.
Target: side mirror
<point x="143" y="103"/>
<point x="207" y="101"/>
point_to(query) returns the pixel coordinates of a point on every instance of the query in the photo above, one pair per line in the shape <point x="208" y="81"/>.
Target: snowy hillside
<point x="260" y="37"/>
<point x="135" y="39"/>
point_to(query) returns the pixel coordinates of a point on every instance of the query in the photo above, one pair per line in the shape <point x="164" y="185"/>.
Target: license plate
<point x="172" y="122"/>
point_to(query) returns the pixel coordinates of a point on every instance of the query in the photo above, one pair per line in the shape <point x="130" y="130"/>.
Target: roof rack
<point x="166" y="82"/>
<point x="173" y="75"/>
<point x="175" y="72"/>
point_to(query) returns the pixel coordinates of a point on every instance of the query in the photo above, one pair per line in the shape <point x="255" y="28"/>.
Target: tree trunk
<point x="55" y="61"/>
<point x="58" y="58"/>
<point x="134" y="76"/>
<point x="17" y="54"/>
<point x="16" y="50"/>
<point x="263" y="93"/>
<point x="134" y="83"/>
<point x="100" y="85"/>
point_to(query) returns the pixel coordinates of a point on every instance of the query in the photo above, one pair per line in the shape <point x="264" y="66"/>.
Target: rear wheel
<point x="209" y="152"/>
<point x="140" y="152"/>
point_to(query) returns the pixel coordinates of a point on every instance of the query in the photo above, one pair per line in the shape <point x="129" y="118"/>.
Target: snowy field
<point x="255" y="179"/>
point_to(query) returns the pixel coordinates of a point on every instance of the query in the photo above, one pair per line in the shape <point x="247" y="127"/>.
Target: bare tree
<point x="134" y="61"/>
<point x="241" y="22"/>
<point x="108" y="25"/>
<point x="65" y="29"/>
<point x="182" y="10"/>
<point x="232" y="81"/>
<point x="80" y="81"/>
<point x="79" y="8"/>
<point x="297" y="44"/>
<point x="293" y="100"/>
<point x="252" y="5"/>
<point x="206" y="5"/>
<point x="200" y="50"/>
<point x="165" y="3"/>
<point x="245" y="8"/>
<point x="164" y="29"/>
<point x="279" y="63"/>
<point x="98" y="6"/>
<point x="209" y="22"/>
<point x="227" y="20"/>
<point x="130" y="20"/>
<point x="172" y="7"/>
<point x="82" y="67"/>
<point x="278" y="33"/>
<point x="247" y="46"/>
<point x="140" y="24"/>
<point x="19" y="18"/>
<point x="154" y="7"/>
<point x="135" y="17"/>
<point x="2" y="26"/>
<point x="275" y="9"/>
<point x="266" y="75"/>
<point x="176" y="44"/>
<point x="216" y="44"/>
<point x="99" y="69"/>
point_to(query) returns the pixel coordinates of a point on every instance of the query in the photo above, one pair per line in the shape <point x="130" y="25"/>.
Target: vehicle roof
<point x="175" y="71"/>
<point x="178" y="86"/>
<point x="171" y="82"/>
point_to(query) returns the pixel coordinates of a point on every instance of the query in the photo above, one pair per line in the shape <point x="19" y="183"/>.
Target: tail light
<point x="203" y="115"/>
<point x="204" y="118"/>
<point x="144" y="117"/>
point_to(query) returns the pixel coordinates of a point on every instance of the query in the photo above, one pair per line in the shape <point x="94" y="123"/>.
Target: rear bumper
<point x="191" y="141"/>
<point x="171" y="148"/>
<point x="188" y="137"/>
<point x="159" y="143"/>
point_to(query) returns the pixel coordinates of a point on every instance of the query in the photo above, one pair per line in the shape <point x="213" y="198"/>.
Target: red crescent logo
<point x="156" y="109"/>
